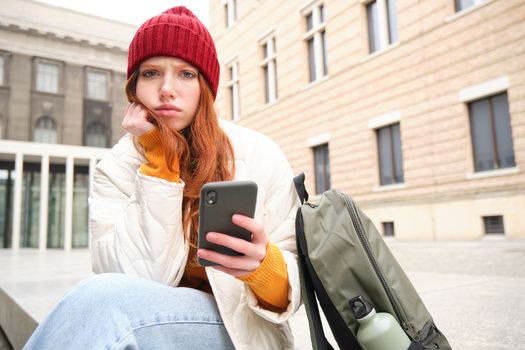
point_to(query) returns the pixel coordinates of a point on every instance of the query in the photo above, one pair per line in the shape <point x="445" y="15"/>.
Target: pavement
<point x="475" y="290"/>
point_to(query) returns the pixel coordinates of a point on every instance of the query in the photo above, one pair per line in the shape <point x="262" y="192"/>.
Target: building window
<point x="230" y="11"/>
<point x="493" y="224"/>
<point x="388" y="228"/>
<point x="491" y="133"/>
<point x="97" y="85"/>
<point x="96" y="135"/>
<point x="233" y="88"/>
<point x="390" y="156"/>
<point x="47" y="77"/>
<point x="269" y="70"/>
<point x="322" y="168"/>
<point x="45" y="130"/>
<point x="382" y="24"/>
<point x="315" y="38"/>
<point x="465" y="4"/>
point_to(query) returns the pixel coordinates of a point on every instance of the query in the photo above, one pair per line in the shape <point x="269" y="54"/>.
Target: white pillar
<point x="68" y="222"/>
<point x="44" y="201"/>
<point x="92" y="166"/>
<point x="17" y="200"/>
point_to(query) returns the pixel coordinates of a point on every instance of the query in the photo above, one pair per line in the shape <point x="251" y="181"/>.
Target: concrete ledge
<point x="4" y="343"/>
<point x="16" y="323"/>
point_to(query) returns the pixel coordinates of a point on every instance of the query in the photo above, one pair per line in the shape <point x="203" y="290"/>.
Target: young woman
<point x="150" y="293"/>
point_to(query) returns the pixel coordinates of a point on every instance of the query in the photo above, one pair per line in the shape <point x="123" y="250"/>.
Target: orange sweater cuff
<point x="269" y="282"/>
<point x="156" y="161"/>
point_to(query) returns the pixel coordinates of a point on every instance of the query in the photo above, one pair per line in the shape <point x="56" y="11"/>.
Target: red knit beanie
<point x="176" y="32"/>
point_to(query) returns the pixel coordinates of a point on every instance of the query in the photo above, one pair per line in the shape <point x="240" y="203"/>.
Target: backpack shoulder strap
<point x="317" y="336"/>
<point x="300" y="187"/>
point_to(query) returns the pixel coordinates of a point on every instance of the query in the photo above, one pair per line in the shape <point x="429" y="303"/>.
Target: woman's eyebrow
<point x="148" y="66"/>
<point x="187" y="66"/>
<point x="176" y="66"/>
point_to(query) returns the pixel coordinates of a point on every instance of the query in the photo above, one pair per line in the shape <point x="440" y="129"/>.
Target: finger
<point x="233" y="262"/>
<point x="257" y="230"/>
<point x="127" y="109"/>
<point x="139" y="111"/>
<point x="257" y="251"/>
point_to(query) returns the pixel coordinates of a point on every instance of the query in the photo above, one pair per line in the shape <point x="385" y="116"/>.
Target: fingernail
<point x="211" y="236"/>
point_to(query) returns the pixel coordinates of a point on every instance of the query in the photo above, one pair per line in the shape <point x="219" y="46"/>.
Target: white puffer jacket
<point x="135" y="226"/>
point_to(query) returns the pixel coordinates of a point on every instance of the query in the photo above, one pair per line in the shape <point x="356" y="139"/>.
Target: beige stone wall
<point x="439" y="54"/>
<point x="456" y="218"/>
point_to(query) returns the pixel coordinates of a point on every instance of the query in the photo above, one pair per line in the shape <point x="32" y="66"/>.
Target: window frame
<point x="37" y="62"/>
<point x="488" y="222"/>
<point x="324" y="184"/>
<point x="315" y="39"/>
<point x="54" y="123"/>
<point x="230" y="12"/>
<point x="385" y="27"/>
<point x="496" y="161"/>
<point x="458" y="8"/>
<point x="233" y="86"/>
<point x="105" y="134"/>
<point x="398" y="179"/>
<point x="90" y="70"/>
<point x="268" y="66"/>
<point x="388" y="228"/>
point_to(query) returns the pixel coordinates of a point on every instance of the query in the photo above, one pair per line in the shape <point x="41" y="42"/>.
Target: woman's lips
<point x="167" y="111"/>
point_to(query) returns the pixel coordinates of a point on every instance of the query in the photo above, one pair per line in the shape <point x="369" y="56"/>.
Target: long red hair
<point x="204" y="152"/>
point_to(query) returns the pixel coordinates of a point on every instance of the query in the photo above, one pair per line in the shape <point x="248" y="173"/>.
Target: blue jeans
<point x="117" y="311"/>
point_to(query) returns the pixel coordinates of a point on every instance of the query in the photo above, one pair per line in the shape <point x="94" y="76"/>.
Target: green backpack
<point x="342" y="255"/>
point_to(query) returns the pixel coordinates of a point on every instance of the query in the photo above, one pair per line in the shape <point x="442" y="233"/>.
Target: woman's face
<point x="170" y="88"/>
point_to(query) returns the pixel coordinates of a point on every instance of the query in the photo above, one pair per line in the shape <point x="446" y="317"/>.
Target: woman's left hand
<point x="254" y="251"/>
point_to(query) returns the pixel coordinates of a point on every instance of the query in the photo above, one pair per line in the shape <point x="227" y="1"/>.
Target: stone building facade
<point x="415" y="108"/>
<point x="62" y="77"/>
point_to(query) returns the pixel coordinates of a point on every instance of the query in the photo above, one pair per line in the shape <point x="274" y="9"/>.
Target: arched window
<point x="96" y="135"/>
<point x="45" y="130"/>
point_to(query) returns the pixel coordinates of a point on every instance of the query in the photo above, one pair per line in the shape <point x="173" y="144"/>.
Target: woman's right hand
<point x="136" y="120"/>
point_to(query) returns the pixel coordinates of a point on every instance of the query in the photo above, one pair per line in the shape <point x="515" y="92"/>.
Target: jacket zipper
<point x="366" y="245"/>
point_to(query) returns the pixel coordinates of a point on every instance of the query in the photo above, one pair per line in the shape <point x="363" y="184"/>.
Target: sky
<point x="132" y="11"/>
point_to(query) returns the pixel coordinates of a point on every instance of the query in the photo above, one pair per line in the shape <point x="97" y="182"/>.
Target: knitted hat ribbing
<point x="176" y="32"/>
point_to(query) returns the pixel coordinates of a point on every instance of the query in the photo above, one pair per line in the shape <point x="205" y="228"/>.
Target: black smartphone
<point x="218" y="202"/>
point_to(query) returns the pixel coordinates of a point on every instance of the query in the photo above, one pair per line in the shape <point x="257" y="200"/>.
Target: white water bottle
<point x="377" y="331"/>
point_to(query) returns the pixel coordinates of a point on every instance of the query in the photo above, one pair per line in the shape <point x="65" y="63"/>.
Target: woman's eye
<point x="188" y="74"/>
<point x="149" y="73"/>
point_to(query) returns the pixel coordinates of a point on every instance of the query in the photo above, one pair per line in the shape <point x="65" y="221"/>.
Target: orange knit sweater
<point x="269" y="281"/>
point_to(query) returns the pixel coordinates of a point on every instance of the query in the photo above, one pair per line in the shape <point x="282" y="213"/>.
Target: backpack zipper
<point x="366" y="245"/>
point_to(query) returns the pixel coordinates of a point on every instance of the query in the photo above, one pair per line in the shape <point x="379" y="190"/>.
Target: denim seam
<point x="119" y="341"/>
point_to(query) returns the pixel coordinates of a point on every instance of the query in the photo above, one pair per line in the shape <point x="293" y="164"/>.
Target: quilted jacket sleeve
<point x="279" y="207"/>
<point x="135" y="220"/>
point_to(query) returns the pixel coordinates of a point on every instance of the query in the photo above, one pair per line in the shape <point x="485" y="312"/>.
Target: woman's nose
<point x="167" y="93"/>
<point x="167" y="90"/>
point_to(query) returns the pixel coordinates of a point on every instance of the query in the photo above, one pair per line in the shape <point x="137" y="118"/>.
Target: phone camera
<point x="211" y="197"/>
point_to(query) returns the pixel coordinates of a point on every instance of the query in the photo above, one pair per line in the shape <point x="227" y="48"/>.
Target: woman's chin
<point x="175" y="125"/>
